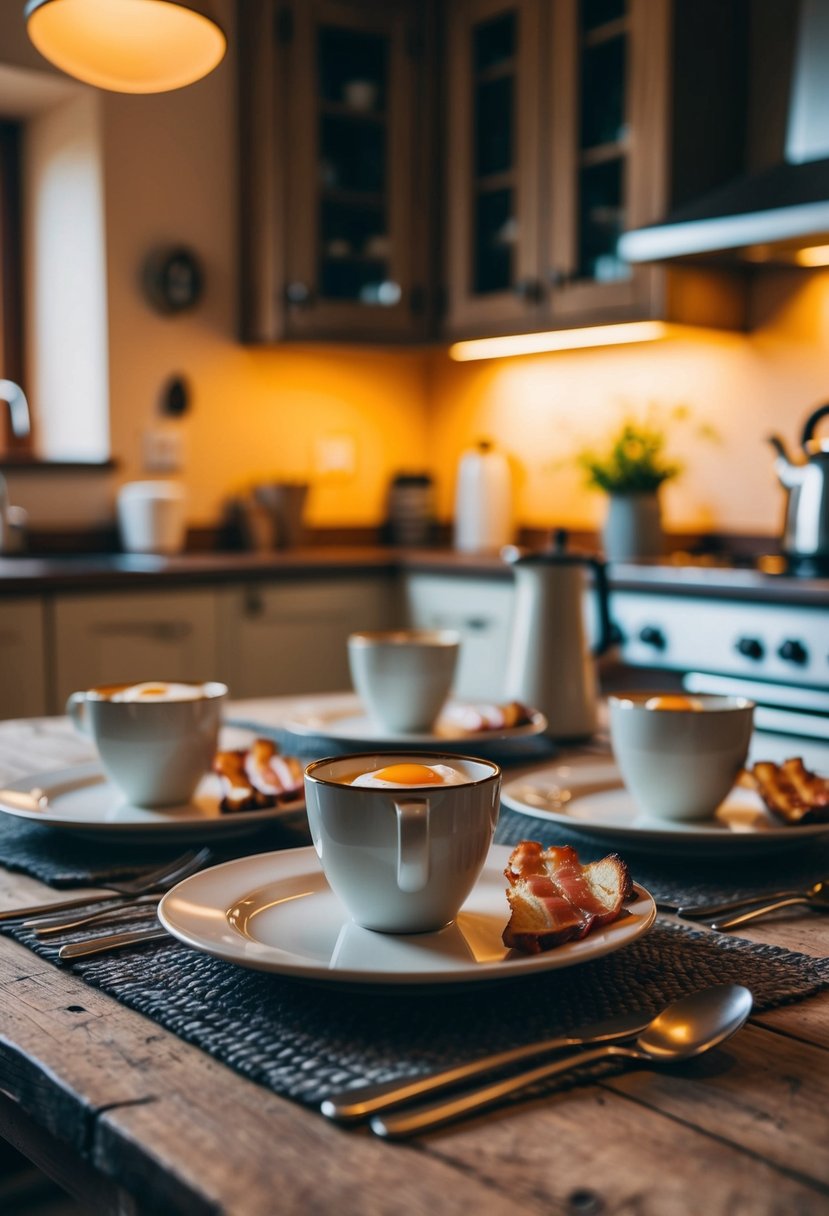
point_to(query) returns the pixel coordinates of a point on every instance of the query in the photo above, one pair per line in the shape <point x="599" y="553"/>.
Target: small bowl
<point x="679" y="756"/>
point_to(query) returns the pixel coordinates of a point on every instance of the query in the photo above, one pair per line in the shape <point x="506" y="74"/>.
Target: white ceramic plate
<point x="355" y="729"/>
<point x="276" y="912"/>
<point x="81" y="799"/>
<point x="590" y="798"/>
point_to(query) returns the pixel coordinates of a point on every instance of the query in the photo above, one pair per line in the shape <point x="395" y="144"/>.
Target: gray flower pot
<point x="632" y="527"/>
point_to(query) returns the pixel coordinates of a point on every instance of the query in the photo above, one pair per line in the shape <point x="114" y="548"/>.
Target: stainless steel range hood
<point x="781" y="213"/>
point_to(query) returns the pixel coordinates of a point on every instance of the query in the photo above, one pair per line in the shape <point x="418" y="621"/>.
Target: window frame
<point x="11" y="277"/>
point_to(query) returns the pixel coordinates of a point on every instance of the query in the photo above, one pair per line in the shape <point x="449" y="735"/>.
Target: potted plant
<point x="630" y="468"/>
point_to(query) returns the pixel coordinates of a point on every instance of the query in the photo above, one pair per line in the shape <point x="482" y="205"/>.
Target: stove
<point x="758" y="630"/>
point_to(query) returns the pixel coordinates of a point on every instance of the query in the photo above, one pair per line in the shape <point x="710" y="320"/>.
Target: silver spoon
<point x="818" y="891"/>
<point x="684" y="1029"/>
<point x="816" y="897"/>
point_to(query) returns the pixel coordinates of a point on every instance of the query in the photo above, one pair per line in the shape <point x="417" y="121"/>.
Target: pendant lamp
<point x="127" y="46"/>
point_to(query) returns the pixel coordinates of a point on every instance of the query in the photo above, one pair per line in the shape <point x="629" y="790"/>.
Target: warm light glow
<point x="815" y="255"/>
<point x="561" y="339"/>
<point x="127" y="46"/>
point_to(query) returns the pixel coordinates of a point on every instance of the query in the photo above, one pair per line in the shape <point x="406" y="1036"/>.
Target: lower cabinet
<point x="22" y="658"/>
<point x="291" y="637"/>
<point x="480" y="609"/>
<point x="121" y="637"/>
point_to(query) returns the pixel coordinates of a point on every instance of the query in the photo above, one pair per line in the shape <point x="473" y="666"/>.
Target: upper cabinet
<point x="482" y="153"/>
<point x="569" y="122"/>
<point x="334" y="237"/>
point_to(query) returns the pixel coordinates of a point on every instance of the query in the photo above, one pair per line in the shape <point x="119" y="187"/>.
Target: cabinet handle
<point x="562" y="278"/>
<point x="157" y="631"/>
<point x="530" y="291"/>
<point x="477" y="624"/>
<point x="299" y="294"/>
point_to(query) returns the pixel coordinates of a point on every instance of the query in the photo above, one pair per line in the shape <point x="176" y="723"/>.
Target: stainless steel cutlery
<point x="114" y="894"/>
<point x="112" y="941"/>
<point x="719" y="915"/>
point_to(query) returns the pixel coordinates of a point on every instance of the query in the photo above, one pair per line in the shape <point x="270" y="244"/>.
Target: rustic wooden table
<point x="131" y="1119"/>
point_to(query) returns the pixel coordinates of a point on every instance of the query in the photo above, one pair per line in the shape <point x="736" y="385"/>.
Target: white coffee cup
<point x="679" y="756"/>
<point x="156" y="741"/>
<point x="402" y="859"/>
<point x="403" y="676"/>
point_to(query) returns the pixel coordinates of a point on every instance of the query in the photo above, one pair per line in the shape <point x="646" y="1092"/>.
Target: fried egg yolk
<point x="675" y="701"/>
<point x="399" y="775"/>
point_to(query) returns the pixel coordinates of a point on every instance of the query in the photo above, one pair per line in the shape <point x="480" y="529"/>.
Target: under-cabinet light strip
<point x="560" y="339"/>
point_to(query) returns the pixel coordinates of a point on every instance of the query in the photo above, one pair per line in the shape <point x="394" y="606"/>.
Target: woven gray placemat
<point x="305" y="1041"/>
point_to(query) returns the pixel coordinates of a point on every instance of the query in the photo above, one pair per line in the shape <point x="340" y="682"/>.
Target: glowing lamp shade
<point x="127" y="46"/>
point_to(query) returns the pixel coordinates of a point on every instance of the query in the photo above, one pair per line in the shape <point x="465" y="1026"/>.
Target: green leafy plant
<point x="634" y="460"/>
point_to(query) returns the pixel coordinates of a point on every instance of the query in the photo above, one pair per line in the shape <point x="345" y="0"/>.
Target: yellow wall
<point x="541" y="409"/>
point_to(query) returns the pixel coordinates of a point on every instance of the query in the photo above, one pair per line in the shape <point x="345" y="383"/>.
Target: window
<point x="11" y="277"/>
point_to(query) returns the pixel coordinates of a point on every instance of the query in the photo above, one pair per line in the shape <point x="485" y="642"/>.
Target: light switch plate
<point x="163" y="451"/>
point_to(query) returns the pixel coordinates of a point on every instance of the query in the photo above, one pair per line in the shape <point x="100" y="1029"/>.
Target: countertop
<point x="673" y="576"/>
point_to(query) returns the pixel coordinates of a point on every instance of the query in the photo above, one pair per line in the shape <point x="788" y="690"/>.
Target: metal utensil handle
<point x="59" y="924"/>
<point x="708" y="911"/>
<point x="732" y="922"/>
<point x="435" y="1114"/>
<point x="111" y="941"/>
<point x="354" y="1104"/>
<point x="58" y="905"/>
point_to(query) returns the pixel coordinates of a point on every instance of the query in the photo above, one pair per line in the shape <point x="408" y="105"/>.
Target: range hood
<point x="781" y="213"/>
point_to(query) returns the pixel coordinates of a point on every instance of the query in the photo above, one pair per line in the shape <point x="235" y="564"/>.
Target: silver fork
<point x="114" y="892"/>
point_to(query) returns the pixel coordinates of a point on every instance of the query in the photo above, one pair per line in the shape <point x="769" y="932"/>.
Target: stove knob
<point x="793" y="652"/>
<point x="752" y="648"/>
<point x="652" y="636"/>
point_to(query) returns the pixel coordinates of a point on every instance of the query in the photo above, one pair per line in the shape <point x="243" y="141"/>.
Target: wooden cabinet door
<point x="493" y="162"/>
<point x="608" y="103"/>
<point x="22" y="646"/>
<point x="481" y="611"/>
<point x="350" y="186"/>
<point x="290" y="637"/>
<point x="130" y="637"/>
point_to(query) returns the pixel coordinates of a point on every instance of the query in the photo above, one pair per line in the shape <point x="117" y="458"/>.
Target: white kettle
<point x="550" y="665"/>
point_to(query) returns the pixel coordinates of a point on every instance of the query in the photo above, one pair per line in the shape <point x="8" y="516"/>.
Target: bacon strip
<point x="258" y="777"/>
<point x="792" y="792"/>
<point x="553" y="898"/>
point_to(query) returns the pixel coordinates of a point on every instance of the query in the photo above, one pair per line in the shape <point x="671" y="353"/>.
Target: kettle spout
<point x="789" y="473"/>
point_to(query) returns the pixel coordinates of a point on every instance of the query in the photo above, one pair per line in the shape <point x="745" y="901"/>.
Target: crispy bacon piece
<point x="792" y="792"/>
<point x="475" y="718"/>
<point x="554" y="899"/>
<point x="237" y="792"/>
<point x="277" y="777"/>
<point x="257" y="777"/>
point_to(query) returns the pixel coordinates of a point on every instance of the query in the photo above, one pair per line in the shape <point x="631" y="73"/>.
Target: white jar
<point x="483" y="500"/>
<point x="151" y="517"/>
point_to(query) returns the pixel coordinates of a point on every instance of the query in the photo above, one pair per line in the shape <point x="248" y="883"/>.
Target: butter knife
<point x="111" y="941"/>
<point x="352" y="1105"/>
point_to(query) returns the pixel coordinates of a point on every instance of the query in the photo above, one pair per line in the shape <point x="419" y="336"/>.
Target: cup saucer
<point x="82" y="800"/>
<point x="275" y="912"/>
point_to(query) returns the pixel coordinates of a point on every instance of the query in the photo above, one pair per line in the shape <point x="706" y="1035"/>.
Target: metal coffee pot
<point x="806" y="528"/>
<point x="550" y="665"/>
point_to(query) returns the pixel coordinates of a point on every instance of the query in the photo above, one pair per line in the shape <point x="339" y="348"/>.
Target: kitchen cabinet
<point x="480" y="609"/>
<point x="123" y="638"/>
<point x="569" y="123"/>
<point x="22" y="658"/>
<point x="334" y="141"/>
<point x="291" y="637"/>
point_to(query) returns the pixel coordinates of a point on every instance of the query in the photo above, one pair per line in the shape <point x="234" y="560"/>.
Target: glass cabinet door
<point x="602" y="170"/>
<point x="493" y="152"/>
<point x="349" y="171"/>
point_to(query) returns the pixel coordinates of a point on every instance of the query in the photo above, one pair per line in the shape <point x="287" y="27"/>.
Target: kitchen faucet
<point x="13" y="519"/>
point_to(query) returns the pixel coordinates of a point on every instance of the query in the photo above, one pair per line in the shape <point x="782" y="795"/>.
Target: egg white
<point x="448" y="776"/>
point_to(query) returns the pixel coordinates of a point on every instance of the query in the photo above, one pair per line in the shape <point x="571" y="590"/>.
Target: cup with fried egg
<point x="679" y="755"/>
<point x="402" y="837"/>
<point x="403" y="676"/>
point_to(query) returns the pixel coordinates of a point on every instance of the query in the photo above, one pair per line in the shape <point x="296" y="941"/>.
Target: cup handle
<point x="76" y="709"/>
<point x="412" y="844"/>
